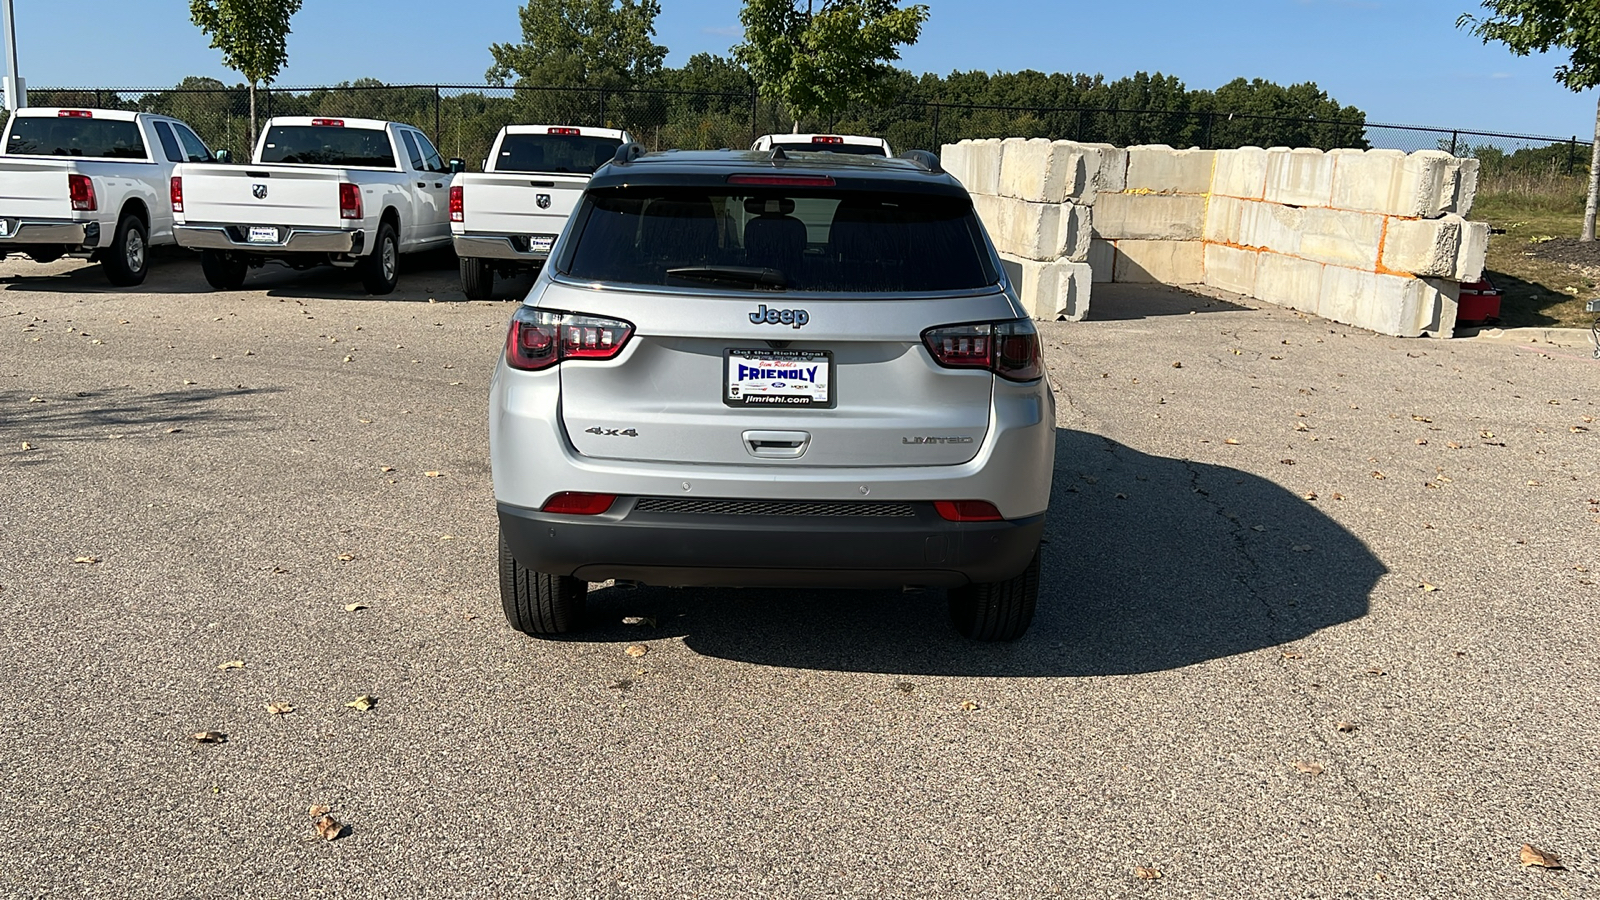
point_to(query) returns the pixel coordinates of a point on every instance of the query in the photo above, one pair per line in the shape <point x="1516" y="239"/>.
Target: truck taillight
<point x="458" y="209"/>
<point x="177" y="193"/>
<point x="541" y="338"/>
<point x="75" y="114"/>
<point x="350" y="202"/>
<point x="1009" y="349"/>
<point x="81" y="190"/>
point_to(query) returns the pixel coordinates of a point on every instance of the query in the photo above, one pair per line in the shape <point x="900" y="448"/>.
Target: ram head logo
<point x="543" y="200"/>
<point x="259" y="190"/>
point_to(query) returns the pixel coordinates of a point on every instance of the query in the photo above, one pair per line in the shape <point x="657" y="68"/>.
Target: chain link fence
<point x="463" y="120"/>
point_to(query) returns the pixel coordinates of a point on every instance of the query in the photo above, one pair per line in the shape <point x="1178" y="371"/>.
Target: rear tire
<point x="998" y="611"/>
<point x="224" y="271"/>
<point x="128" y="258"/>
<point x="537" y="603"/>
<point x="380" y="270"/>
<point x="477" y="278"/>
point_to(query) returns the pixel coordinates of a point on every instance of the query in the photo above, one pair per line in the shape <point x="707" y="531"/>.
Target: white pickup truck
<point x="91" y="183"/>
<point x="355" y="193"/>
<point x="506" y="218"/>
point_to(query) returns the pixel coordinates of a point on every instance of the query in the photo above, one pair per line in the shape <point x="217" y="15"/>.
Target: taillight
<point x="328" y="123"/>
<point x="827" y="139"/>
<point x="457" y="207"/>
<point x="74" y="114"/>
<point x="350" y="202"/>
<point x="1009" y="349"/>
<point x="967" y="511"/>
<point x="81" y="190"/>
<point x="541" y="338"/>
<point x="564" y="131"/>
<point x="177" y="193"/>
<point x="579" y="503"/>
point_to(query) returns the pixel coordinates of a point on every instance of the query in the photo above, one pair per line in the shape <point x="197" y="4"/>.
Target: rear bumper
<point x="499" y="246"/>
<point x="297" y="240"/>
<point x="59" y="232"/>
<point x="706" y="549"/>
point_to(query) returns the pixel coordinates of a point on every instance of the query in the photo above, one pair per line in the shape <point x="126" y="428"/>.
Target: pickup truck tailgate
<point x="261" y="195"/>
<point x="508" y="203"/>
<point x="34" y="189"/>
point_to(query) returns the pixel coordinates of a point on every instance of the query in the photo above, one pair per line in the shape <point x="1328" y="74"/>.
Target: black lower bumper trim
<point x="697" y="550"/>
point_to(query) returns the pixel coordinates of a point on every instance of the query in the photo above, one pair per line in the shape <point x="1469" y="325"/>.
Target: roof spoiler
<point x="924" y="159"/>
<point x="627" y="153"/>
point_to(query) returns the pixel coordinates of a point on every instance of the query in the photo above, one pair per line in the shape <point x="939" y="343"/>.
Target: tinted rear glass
<point x="554" y="153"/>
<point x="106" y="138"/>
<point x="857" y="149"/>
<point x="328" y="145"/>
<point x="817" y="239"/>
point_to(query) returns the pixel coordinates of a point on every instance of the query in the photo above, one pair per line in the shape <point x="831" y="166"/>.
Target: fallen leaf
<point x="1375" y="672"/>
<point x="1533" y="483"/>
<point x="1424" y="419"/>
<point x="346" y="557"/>
<point x="969" y="705"/>
<point x="1292" y="654"/>
<point x="434" y="474"/>
<point x="1258" y="528"/>
<point x="1309" y="495"/>
<point x="86" y="560"/>
<point x="352" y="607"/>
<point x="1177" y="365"/>
<point x="636" y="650"/>
<point x="621" y="684"/>
<point x="319" y="810"/>
<point x="1301" y="426"/>
<point x="174" y="430"/>
<point x="1452" y="445"/>
<point x="386" y="468"/>
<point x="210" y="737"/>
<point x="1486" y="434"/>
<point x="27" y="446"/>
<point x="1577" y="429"/>
<point x="1287" y="462"/>
<point x="1231" y="441"/>
<point x="1308" y="768"/>
<point x="1533" y="856"/>
<point x="329" y="828"/>
<point x="1122" y="496"/>
<point x="35" y="399"/>
<point x="1345" y="727"/>
<point x="1301" y="548"/>
<point x="1146" y="873"/>
<point x="1427" y="588"/>
<point x="363" y="702"/>
<point x="231" y="664"/>
<point x="1422" y="442"/>
<point x="646" y="621"/>
<point x="1338" y="496"/>
<point x="1379" y="475"/>
<point x="280" y="708"/>
<point x="904" y="687"/>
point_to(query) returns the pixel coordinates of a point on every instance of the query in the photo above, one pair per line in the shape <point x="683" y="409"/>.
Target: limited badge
<point x="543" y="200"/>
<point x="259" y="190"/>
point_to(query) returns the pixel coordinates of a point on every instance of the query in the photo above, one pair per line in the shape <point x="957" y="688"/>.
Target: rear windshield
<point x="104" y="138"/>
<point x="328" y="145"/>
<point x="812" y="239"/>
<point x="554" y="153"/>
<point x="817" y="147"/>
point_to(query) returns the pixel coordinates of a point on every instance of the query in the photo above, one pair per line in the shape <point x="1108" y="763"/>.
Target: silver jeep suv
<point x="772" y="370"/>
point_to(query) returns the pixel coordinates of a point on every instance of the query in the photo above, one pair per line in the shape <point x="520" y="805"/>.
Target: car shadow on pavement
<point x="123" y="412"/>
<point x="1121" y="302"/>
<point x="1152" y="563"/>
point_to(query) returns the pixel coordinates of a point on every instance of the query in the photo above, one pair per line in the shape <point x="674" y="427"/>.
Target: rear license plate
<point x="5" y="228"/>
<point x="787" y="378"/>
<point x="540" y="243"/>
<point x="263" y="234"/>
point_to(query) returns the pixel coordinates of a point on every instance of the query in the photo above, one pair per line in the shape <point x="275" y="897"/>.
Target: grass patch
<point x="1532" y="209"/>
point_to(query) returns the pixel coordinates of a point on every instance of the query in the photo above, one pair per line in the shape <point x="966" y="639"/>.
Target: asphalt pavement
<point x="1317" y="620"/>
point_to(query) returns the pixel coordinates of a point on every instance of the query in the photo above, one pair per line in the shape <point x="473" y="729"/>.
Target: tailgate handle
<point x="542" y="183"/>
<point x="777" y="444"/>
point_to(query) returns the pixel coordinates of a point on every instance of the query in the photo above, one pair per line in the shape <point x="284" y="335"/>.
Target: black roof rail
<point x="925" y="159"/>
<point x="627" y="153"/>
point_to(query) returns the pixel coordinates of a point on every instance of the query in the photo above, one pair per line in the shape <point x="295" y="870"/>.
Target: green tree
<point x="252" y="36"/>
<point x="1526" y="26"/>
<point x="606" y="44"/>
<point x="818" y="61"/>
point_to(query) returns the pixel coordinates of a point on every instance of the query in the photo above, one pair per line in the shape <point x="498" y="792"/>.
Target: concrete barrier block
<point x="1222" y="219"/>
<point x="1299" y="177"/>
<point x="1050" y="290"/>
<point x="1473" y="254"/>
<point x="1102" y="260"/>
<point x="1423" y="187"/>
<point x="1149" y="217"/>
<point x="1160" y="169"/>
<point x="1076" y="232"/>
<point x="1231" y="268"/>
<point x="983" y="166"/>
<point x="1159" y="262"/>
<point x="1041" y="171"/>
<point x="1030" y="230"/>
<point x="1464" y="180"/>
<point x="1388" y="304"/>
<point x="1271" y="226"/>
<point x="1423" y="246"/>
<point x="1446" y="303"/>
<point x="953" y="159"/>
<point x="1365" y="180"/>
<point x="1106" y="168"/>
<point x="1288" y="281"/>
<point x="1341" y="237"/>
<point x="1241" y="173"/>
<point x="987" y="206"/>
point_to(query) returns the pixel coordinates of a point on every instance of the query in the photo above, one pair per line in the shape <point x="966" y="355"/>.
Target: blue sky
<point x="1402" y="61"/>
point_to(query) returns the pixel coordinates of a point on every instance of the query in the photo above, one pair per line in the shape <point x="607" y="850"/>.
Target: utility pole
<point x="16" y="89"/>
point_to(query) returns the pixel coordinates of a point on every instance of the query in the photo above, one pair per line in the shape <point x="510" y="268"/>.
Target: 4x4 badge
<point x="794" y="317"/>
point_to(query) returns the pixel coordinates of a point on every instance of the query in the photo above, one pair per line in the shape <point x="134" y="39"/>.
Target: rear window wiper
<point x="754" y="276"/>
